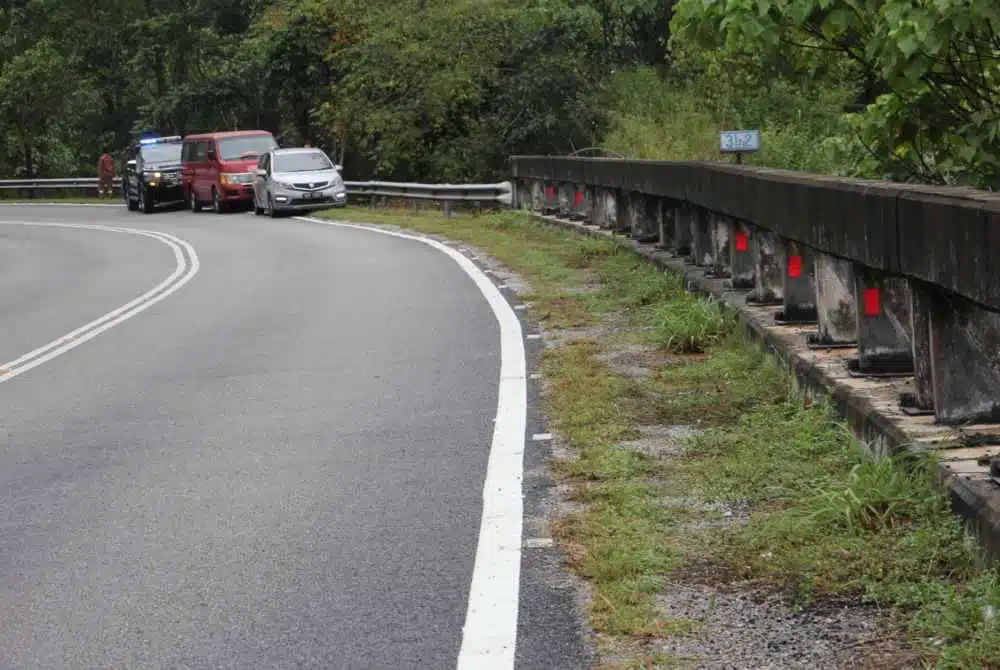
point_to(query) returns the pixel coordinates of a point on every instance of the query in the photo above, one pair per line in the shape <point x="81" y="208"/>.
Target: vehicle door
<point x="203" y="177"/>
<point x="137" y="172"/>
<point x="129" y="174"/>
<point x="213" y="170"/>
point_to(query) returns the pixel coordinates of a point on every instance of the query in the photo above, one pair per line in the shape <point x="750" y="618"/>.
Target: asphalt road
<point x="278" y="465"/>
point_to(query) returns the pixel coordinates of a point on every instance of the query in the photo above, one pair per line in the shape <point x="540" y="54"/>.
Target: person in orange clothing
<point x="105" y="174"/>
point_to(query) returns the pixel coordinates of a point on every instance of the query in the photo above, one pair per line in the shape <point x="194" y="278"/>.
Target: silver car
<point x="297" y="180"/>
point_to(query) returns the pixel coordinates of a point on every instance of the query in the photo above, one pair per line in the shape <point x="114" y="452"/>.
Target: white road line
<point x="186" y="268"/>
<point x="541" y="437"/>
<point x="489" y="636"/>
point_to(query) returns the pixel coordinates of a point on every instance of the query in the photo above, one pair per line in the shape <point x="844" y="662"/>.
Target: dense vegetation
<point x="445" y="90"/>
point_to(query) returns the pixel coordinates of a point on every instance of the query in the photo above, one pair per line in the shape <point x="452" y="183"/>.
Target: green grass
<point x="826" y="521"/>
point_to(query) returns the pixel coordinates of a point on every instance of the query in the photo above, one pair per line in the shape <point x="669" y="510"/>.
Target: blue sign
<point x="739" y="141"/>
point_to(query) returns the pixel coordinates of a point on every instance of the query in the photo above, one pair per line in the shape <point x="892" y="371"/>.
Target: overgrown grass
<point x="827" y="521"/>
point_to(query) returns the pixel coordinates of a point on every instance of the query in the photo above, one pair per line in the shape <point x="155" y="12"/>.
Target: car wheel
<point x="129" y="202"/>
<point x="217" y="205"/>
<point x="145" y="204"/>
<point x="193" y="202"/>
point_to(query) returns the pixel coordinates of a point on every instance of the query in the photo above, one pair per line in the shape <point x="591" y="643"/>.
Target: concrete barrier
<point x="893" y="282"/>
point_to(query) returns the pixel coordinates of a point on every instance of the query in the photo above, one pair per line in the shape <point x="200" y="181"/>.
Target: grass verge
<point x="825" y="523"/>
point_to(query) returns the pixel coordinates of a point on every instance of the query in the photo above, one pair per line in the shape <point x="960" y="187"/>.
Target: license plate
<point x="311" y="196"/>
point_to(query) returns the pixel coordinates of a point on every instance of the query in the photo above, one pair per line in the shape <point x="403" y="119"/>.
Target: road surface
<point x="264" y="447"/>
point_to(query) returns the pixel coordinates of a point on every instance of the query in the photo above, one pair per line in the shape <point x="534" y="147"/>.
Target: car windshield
<point x="162" y="153"/>
<point x="302" y="162"/>
<point x="249" y="146"/>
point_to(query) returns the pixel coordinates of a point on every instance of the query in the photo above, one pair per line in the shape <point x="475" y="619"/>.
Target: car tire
<point x="129" y="202"/>
<point x="217" y="205"/>
<point x="193" y="203"/>
<point x="144" y="202"/>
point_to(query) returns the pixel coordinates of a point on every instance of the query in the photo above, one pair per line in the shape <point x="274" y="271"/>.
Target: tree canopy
<point x="446" y="90"/>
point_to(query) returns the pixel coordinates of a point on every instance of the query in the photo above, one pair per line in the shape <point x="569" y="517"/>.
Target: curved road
<point x="280" y="464"/>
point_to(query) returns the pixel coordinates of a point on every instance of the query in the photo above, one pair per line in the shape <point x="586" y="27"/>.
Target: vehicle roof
<point x="295" y="150"/>
<point x="224" y="134"/>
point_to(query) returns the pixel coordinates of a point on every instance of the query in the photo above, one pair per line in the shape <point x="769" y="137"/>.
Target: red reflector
<point x="872" y="302"/>
<point x="549" y="191"/>
<point x="741" y="241"/>
<point x="794" y="266"/>
<point x="578" y="198"/>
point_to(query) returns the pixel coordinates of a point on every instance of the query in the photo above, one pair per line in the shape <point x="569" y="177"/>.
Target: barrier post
<point x="836" y="308"/>
<point x="885" y="347"/>
<point x="798" y="290"/>
<point x="741" y="273"/>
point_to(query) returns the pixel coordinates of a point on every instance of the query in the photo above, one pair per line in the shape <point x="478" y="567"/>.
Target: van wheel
<point x="194" y="202"/>
<point x="217" y="202"/>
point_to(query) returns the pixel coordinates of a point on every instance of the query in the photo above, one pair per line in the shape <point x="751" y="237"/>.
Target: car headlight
<point x="233" y="178"/>
<point x="282" y="184"/>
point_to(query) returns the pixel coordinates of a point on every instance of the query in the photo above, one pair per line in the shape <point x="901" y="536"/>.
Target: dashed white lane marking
<point x="541" y="437"/>
<point x="186" y="268"/>
<point x="489" y="636"/>
<point x="534" y="336"/>
<point x="535" y="375"/>
<point x="520" y="307"/>
<point x="538" y="543"/>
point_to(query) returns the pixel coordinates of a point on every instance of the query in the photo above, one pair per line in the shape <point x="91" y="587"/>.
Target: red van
<point x="218" y="168"/>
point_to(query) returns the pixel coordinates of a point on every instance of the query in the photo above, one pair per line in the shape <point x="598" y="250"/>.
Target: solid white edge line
<point x="489" y="636"/>
<point x="87" y="332"/>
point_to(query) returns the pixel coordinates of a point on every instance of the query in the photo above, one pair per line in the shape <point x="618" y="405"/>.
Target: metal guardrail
<point x="501" y="192"/>
<point x="67" y="183"/>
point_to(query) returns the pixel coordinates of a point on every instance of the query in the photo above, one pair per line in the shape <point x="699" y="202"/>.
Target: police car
<point x="152" y="174"/>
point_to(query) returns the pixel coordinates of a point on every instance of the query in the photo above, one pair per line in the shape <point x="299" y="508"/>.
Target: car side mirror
<point x="261" y="172"/>
<point x="131" y="163"/>
<point x="338" y="168"/>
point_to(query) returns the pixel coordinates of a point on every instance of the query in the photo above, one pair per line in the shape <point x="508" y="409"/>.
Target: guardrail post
<point x="922" y="399"/>
<point x="565" y="192"/>
<point x="721" y="233"/>
<point x="608" y="216"/>
<point x="836" y="308"/>
<point x="580" y="209"/>
<point x="668" y="233"/>
<point x="768" y="269"/>
<point x="522" y="194"/>
<point x="683" y="213"/>
<point x="885" y="347"/>
<point x="965" y="358"/>
<point x="551" y="205"/>
<point x="701" y="237"/>
<point x="537" y="195"/>
<point x="641" y="218"/>
<point x="741" y="272"/>
<point x="798" y="289"/>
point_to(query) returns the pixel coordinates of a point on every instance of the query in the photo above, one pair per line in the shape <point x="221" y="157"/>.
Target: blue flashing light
<point x="149" y="140"/>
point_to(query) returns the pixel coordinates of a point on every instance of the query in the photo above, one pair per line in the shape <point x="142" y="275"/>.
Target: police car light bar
<point x="155" y="140"/>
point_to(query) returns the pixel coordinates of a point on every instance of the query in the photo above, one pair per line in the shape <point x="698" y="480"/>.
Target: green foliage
<point x="926" y="72"/>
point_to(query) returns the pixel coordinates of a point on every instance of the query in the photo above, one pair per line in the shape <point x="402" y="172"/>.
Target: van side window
<point x="201" y="151"/>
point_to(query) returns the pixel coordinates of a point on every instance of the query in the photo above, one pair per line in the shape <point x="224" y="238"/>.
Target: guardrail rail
<point x="499" y="193"/>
